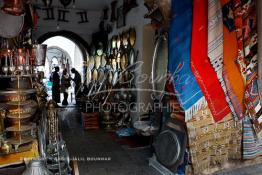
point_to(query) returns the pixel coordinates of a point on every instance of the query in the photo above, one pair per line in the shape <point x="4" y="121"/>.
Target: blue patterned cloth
<point x="187" y="89"/>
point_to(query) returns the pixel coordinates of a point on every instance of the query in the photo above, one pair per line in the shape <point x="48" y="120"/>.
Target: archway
<point x="64" y="52"/>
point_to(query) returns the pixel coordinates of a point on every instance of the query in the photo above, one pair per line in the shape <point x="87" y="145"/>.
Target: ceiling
<point x="81" y="4"/>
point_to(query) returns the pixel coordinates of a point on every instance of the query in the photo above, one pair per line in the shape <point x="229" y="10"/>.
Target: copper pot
<point x="13" y="7"/>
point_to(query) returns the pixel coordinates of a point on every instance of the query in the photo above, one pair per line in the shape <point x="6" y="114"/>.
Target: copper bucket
<point x="13" y="7"/>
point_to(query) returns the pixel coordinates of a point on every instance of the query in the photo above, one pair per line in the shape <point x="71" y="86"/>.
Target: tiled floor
<point x="124" y="161"/>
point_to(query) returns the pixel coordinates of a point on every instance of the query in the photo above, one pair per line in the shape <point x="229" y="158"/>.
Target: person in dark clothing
<point x="65" y="84"/>
<point x="55" y="79"/>
<point x="77" y="80"/>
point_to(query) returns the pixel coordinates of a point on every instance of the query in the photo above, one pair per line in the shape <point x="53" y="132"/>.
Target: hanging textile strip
<point x="176" y="111"/>
<point x="215" y="44"/>
<point x="259" y="24"/>
<point x="252" y="147"/>
<point x="245" y="12"/>
<point x="187" y="89"/>
<point x="231" y="74"/>
<point x="200" y="64"/>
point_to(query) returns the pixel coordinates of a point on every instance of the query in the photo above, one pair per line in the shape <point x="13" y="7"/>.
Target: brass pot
<point x="5" y="148"/>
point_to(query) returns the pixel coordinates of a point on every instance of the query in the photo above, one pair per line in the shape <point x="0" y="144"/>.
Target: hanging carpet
<point x="231" y="74"/>
<point x="201" y="66"/>
<point x="187" y="89"/>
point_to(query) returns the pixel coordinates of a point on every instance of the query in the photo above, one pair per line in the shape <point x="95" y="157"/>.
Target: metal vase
<point x="36" y="167"/>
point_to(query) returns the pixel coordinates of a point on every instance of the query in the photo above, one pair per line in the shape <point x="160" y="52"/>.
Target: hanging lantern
<point x="13" y="7"/>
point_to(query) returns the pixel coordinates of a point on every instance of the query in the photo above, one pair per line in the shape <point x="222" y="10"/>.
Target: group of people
<point x="61" y="85"/>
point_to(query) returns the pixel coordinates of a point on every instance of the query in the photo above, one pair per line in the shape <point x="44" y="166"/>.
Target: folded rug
<point x="187" y="89"/>
<point x="231" y="74"/>
<point x="201" y="66"/>
<point x="252" y="147"/>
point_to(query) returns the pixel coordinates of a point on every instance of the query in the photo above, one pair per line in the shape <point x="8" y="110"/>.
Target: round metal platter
<point x="101" y="75"/>
<point x="110" y="77"/>
<point x="103" y="61"/>
<point x="118" y="42"/>
<point x="125" y="39"/>
<point x="17" y="116"/>
<point x="115" y="78"/>
<point x="132" y="56"/>
<point x="113" y="42"/>
<point x="168" y="137"/>
<point x="159" y="66"/>
<point x="127" y="76"/>
<point x="11" y="91"/>
<point x="21" y="128"/>
<point x="99" y="50"/>
<point x="97" y="61"/>
<point x="88" y="76"/>
<point x="124" y="62"/>
<point x="121" y="78"/>
<point x="10" y="25"/>
<point x="132" y="37"/>
<point x="109" y="47"/>
<point x="114" y="64"/>
<point x="94" y="75"/>
<point x="91" y="63"/>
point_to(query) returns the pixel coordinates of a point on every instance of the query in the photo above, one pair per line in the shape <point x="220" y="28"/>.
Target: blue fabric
<point x="126" y="132"/>
<point x="187" y="89"/>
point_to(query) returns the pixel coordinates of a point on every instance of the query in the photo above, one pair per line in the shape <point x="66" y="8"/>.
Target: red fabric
<point x="201" y="66"/>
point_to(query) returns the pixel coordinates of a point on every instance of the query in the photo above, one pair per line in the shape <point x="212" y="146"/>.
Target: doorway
<point x="65" y="54"/>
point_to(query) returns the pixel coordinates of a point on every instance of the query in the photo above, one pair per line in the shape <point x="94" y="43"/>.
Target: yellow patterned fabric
<point x="212" y="144"/>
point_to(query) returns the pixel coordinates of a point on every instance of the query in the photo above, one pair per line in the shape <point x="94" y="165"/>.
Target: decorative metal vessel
<point x="39" y="53"/>
<point x="36" y="167"/>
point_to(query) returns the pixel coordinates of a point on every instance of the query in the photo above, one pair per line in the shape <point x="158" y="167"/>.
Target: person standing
<point x="55" y="79"/>
<point x="77" y="81"/>
<point x="65" y="84"/>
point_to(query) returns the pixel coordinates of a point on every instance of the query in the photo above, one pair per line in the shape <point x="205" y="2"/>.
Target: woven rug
<point x="212" y="144"/>
<point x="187" y="89"/>
<point x="252" y="147"/>
<point x="246" y="28"/>
<point x="215" y="45"/>
<point x="259" y="24"/>
<point x="233" y="79"/>
<point x="200" y="64"/>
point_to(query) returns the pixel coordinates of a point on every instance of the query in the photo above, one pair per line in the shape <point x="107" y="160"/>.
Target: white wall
<point x="84" y="30"/>
<point x="135" y="18"/>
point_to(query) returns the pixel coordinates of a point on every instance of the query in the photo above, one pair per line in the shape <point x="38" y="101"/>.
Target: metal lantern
<point x="39" y="54"/>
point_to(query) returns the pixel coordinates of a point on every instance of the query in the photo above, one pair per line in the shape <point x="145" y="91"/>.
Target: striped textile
<point x="215" y="44"/>
<point x="259" y="24"/>
<point x="187" y="89"/>
<point x="246" y="28"/>
<point x="200" y="64"/>
<point x="252" y="147"/>
<point x="233" y="79"/>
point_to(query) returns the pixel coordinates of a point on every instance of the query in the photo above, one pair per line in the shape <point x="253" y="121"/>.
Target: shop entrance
<point x="65" y="54"/>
